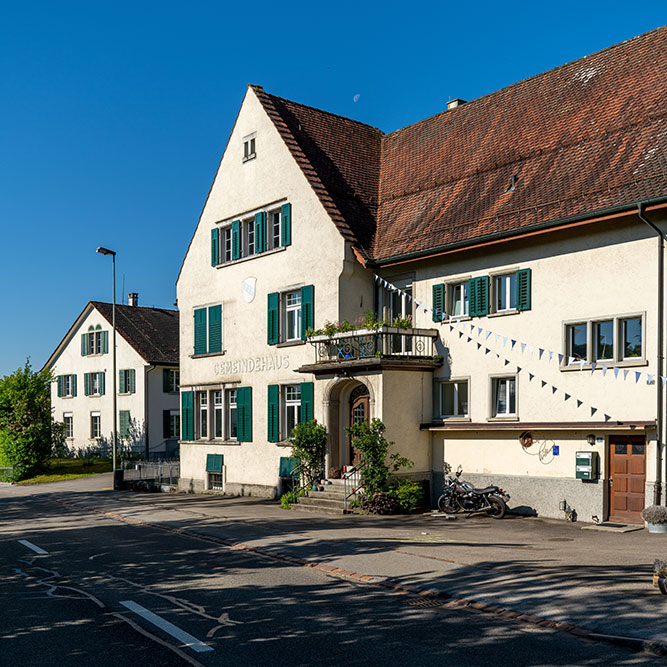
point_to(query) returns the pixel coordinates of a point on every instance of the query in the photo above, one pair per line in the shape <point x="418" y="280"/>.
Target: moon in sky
<point x="356" y="97"/>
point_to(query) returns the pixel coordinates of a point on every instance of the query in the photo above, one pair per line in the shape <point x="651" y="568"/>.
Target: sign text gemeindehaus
<point x="252" y="364"/>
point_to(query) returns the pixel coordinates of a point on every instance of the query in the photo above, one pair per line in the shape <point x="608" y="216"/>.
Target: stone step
<point x="310" y="509"/>
<point x="321" y="502"/>
<point x="330" y="495"/>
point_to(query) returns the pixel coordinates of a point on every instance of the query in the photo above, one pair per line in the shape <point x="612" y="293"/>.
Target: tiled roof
<point x="152" y="332"/>
<point x="584" y="137"/>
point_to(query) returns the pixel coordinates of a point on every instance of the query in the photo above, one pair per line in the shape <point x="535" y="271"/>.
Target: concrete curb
<point x="637" y="644"/>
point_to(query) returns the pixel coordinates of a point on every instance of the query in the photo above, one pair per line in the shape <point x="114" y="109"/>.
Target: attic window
<point x="249" y="147"/>
<point x="512" y="185"/>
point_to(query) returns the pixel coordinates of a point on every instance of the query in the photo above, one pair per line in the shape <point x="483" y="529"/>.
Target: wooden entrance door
<point x="627" y="479"/>
<point x="359" y="408"/>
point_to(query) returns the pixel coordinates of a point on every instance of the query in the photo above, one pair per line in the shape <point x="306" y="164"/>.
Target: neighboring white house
<point x="515" y="232"/>
<point x="148" y="418"/>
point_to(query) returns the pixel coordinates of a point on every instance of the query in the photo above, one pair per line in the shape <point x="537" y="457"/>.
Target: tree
<point x="25" y="420"/>
<point x="309" y="444"/>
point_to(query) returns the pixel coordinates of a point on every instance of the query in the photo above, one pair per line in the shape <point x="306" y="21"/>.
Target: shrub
<point x="379" y="503"/>
<point x="309" y="444"/>
<point x="408" y="495"/>
<point x="655" y="514"/>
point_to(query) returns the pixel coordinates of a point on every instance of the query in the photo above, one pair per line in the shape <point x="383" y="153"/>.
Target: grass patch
<point x="61" y="470"/>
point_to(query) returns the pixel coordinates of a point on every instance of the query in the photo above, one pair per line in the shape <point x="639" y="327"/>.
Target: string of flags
<point x="486" y="338"/>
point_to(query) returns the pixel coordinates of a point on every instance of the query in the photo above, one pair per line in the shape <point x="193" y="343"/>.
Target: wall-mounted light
<point x="526" y="439"/>
<point x="590" y="439"/>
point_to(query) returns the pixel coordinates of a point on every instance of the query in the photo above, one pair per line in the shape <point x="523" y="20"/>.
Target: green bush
<point x="408" y="495"/>
<point x="309" y="445"/>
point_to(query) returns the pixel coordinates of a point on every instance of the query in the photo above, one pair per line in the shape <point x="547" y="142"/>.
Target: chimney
<point x="456" y="102"/>
<point x="133" y="299"/>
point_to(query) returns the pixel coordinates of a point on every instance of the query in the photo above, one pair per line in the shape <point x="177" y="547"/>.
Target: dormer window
<point x="249" y="147"/>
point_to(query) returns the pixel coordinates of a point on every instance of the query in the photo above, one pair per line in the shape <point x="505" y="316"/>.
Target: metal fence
<point x="160" y="472"/>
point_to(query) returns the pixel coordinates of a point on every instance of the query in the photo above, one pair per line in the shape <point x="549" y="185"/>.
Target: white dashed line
<point x="187" y="639"/>
<point x="35" y="548"/>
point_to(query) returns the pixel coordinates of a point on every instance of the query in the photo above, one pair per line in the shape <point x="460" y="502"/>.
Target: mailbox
<point x="587" y="465"/>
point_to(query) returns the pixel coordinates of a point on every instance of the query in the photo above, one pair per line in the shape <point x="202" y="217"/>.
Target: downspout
<point x="146" y="441"/>
<point x="657" y="493"/>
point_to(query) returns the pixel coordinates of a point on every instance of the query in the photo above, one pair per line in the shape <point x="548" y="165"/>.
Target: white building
<point x="148" y="419"/>
<point x="515" y="232"/>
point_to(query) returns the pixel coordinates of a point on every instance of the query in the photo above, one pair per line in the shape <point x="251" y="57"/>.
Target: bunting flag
<point x="664" y="380"/>
<point x="551" y="354"/>
<point x="594" y="365"/>
<point x="616" y="372"/>
<point x="593" y="411"/>
<point x="553" y="389"/>
<point x="531" y="349"/>
<point x="625" y="374"/>
<point x="637" y="376"/>
<point x="523" y="348"/>
<point x="649" y="378"/>
<point x="488" y="333"/>
<point x="582" y="363"/>
<point x="540" y="352"/>
<point x="518" y="369"/>
<point x="530" y="377"/>
<point x="579" y="403"/>
<point x="607" y="418"/>
<point x="567" y="396"/>
<point x="560" y="359"/>
<point x="605" y="368"/>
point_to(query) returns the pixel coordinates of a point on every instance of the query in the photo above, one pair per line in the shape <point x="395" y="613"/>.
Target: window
<point x="66" y="386"/>
<point x="208" y="330"/>
<point x="171" y="424"/>
<point x="124" y="424"/>
<point x="290" y="315"/>
<point x="292" y="408"/>
<point x="458" y="301"/>
<point x="95" y="427"/>
<point x="215" y="481"/>
<point x="266" y="230"/>
<point x="504" y="397"/>
<point x="170" y="380"/>
<point x="616" y="340"/>
<point x="126" y="381"/>
<point x="505" y="292"/>
<point x="249" y="147"/>
<point x="215" y="471"/>
<point x="453" y="398"/>
<point x="95" y="341"/>
<point x="93" y="384"/>
<point x="232" y="426"/>
<point x="202" y="401"/>
<point x="68" y="421"/>
<point x="218" y="415"/>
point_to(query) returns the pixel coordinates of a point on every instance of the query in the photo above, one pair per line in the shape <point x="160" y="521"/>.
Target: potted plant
<point x="656" y="518"/>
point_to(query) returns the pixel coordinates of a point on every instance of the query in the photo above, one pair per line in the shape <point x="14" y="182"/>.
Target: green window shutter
<point x="438" y="302"/>
<point x="307" y="309"/>
<point x="84" y="345"/>
<point x="132" y="381"/>
<point x="187" y="415"/>
<point x="273" y="314"/>
<point x="307" y="400"/>
<point x="274" y="413"/>
<point x="215" y="246"/>
<point x="288" y="466"/>
<point x="60" y="386"/>
<point x="165" y="380"/>
<point x="472" y="297"/>
<point x="215" y="329"/>
<point x="244" y="414"/>
<point x="101" y="383"/>
<point x="105" y="342"/>
<point x="200" y="331"/>
<point x="286" y="219"/>
<point x="166" y="423"/>
<point x="260" y="232"/>
<point x="86" y="384"/>
<point x="73" y="385"/>
<point x="236" y="239"/>
<point x="214" y="462"/>
<point x="523" y="289"/>
<point x="124" y="426"/>
<point x="482" y="296"/>
<point x="121" y="382"/>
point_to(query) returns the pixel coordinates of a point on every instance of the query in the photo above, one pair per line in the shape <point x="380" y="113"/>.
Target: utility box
<point x="587" y="465"/>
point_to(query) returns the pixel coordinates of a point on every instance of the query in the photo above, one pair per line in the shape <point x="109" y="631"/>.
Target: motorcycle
<point x="460" y="496"/>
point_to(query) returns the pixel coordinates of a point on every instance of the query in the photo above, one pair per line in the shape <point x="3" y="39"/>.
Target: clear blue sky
<point x="114" y="117"/>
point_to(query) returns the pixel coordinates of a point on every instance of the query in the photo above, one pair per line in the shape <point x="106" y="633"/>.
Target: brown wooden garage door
<point x="627" y="477"/>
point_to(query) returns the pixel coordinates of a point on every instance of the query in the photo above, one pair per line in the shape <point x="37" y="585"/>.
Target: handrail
<point x="356" y="470"/>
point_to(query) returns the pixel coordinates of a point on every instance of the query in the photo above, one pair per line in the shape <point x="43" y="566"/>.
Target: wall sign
<point x="248" y="286"/>
<point x="253" y="364"/>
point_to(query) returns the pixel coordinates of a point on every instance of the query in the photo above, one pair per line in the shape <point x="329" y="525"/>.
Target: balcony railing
<point x="384" y="342"/>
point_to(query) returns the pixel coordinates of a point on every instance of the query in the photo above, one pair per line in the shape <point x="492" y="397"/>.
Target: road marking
<point x="187" y="639"/>
<point x="35" y="548"/>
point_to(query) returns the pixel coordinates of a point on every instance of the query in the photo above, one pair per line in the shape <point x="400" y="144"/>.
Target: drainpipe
<point x="657" y="494"/>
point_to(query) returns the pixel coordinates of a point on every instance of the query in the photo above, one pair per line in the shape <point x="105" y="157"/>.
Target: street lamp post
<point x="106" y="251"/>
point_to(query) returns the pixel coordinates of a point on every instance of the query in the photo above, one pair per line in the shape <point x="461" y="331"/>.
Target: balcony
<point x="384" y="347"/>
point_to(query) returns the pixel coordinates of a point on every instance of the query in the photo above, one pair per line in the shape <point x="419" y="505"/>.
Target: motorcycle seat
<point x="488" y="489"/>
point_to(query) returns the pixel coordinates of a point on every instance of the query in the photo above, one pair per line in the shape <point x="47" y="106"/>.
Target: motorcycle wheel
<point x="498" y="507"/>
<point x="445" y="505"/>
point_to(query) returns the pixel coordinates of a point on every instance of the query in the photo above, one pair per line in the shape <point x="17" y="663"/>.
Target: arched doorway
<point x="359" y="407"/>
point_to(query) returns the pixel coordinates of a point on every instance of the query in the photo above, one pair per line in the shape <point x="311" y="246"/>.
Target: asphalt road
<point x="111" y="593"/>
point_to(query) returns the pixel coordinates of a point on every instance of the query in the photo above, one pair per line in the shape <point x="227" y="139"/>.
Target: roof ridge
<point x="523" y="81"/>
<point x="324" y="111"/>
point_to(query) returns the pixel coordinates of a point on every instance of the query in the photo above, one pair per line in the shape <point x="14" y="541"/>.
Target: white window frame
<point x="274" y="224"/>
<point x="248" y="238"/>
<point x="455" y="382"/>
<point x="290" y="404"/>
<point x="231" y="414"/>
<point x="504" y="289"/>
<point x="95" y="383"/>
<point x="67" y="386"/>
<point x="203" y="424"/>
<point x="174" y="423"/>
<point x="591" y="324"/>
<point x="226" y="242"/>
<point x="494" y="384"/>
<point x="68" y="421"/>
<point x="175" y="379"/>
<point x="95" y="416"/>
<point x="218" y="401"/>
<point x="595" y="343"/>
<point x="296" y="310"/>
<point x="250" y="147"/>
<point x="216" y="480"/>
<point x="451" y="292"/>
